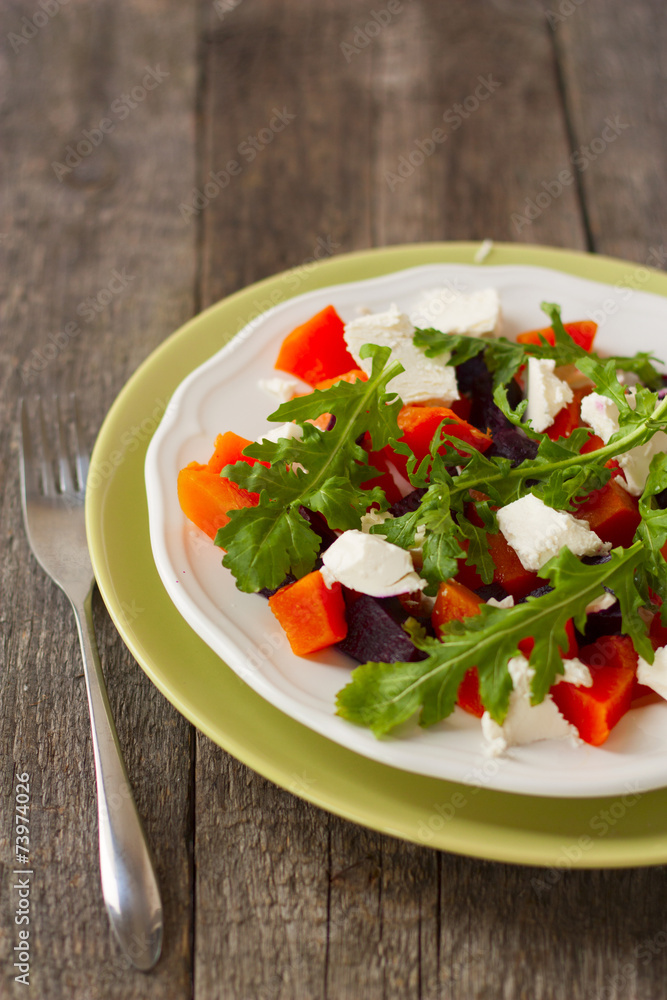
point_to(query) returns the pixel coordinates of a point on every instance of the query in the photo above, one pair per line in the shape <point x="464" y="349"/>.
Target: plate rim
<point x="615" y="852"/>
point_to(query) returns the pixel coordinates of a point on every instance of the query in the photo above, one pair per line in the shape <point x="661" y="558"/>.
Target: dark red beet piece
<point x="373" y="635"/>
<point x="408" y="504"/>
<point x="319" y="525"/>
<point x="269" y="592"/>
<point x="489" y="590"/>
<point x="508" y="441"/>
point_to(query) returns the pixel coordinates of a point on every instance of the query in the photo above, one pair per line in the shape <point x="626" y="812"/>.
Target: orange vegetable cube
<point x="206" y="497"/>
<point x="596" y="710"/>
<point x="316" y="350"/>
<point x="419" y="424"/>
<point x="454" y="602"/>
<point x="351" y="376"/>
<point x="229" y="450"/>
<point x="582" y="333"/>
<point x="311" y="614"/>
<point x="611" y="513"/>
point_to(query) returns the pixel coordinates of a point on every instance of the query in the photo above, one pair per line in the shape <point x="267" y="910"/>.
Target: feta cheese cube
<point x="654" y="675"/>
<point x="547" y="394"/>
<point x="636" y="462"/>
<point x="575" y="672"/>
<point x="525" y="723"/>
<point x="371" y="565"/>
<point x="282" y="389"/>
<point x="537" y="532"/>
<point x="507" y="602"/>
<point x="475" y="314"/>
<point x="373" y="517"/>
<point x="601" y="413"/>
<point x="424" y="378"/>
<point x="289" y="431"/>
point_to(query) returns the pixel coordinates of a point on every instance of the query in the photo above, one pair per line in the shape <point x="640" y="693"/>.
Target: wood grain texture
<point x="614" y="71"/>
<point x="265" y="895"/>
<point x="63" y="235"/>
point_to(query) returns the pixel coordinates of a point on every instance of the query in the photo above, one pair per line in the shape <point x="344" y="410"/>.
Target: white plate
<point x="223" y="394"/>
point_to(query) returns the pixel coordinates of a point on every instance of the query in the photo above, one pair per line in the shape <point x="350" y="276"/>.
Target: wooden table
<point x="115" y="115"/>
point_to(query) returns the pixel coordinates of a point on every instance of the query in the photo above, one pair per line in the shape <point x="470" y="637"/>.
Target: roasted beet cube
<point x="492" y="590"/>
<point x="374" y="635"/>
<point x="319" y="525"/>
<point x="408" y="504"/>
<point x="510" y="442"/>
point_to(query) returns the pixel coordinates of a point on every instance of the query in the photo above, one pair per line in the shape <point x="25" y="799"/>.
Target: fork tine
<point x="46" y="469"/>
<point x="30" y="482"/>
<point x="64" y="472"/>
<point x="81" y="459"/>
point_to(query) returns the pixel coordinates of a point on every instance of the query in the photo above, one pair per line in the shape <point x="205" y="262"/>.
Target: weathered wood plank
<point x="98" y="245"/>
<point x="482" y="73"/>
<point x="614" y="72"/>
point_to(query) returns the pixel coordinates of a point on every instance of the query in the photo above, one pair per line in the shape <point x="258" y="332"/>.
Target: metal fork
<point x="52" y="494"/>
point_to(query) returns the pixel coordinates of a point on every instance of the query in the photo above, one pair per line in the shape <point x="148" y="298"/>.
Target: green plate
<point x="613" y="832"/>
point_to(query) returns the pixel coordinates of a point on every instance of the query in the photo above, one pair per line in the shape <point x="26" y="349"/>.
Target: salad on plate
<point x="478" y="522"/>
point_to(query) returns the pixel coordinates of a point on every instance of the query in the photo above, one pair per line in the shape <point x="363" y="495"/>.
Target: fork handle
<point x="129" y="884"/>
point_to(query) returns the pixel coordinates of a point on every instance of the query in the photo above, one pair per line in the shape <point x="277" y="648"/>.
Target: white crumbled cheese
<point x="424" y="378"/>
<point x="371" y="565"/>
<point x="537" y="532"/>
<point x="654" y="675"/>
<point x="507" y="602"/>
<point x="602" y="415"/>
<point x="600" y="603"/>
<point x="449" y="311"/>
<point x="288" y="431"/>
<point x="282" y="389"/>
<point x="420" y="537"/>
<point x="627" y="378"/>
<point x="524" y="723"/>
<point x="373" y="517"/>
<point x="576" y="672"/>
<point x="483" y="252"/>
<point x="636" y="462"/>
<point x="547" y="394"/>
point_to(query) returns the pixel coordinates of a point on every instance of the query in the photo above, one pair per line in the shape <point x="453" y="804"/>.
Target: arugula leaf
<point x="652" y="531"/>
<point x="382" y="695"/>
<point x="458" y="347"/>
<point x="322" y="471"/>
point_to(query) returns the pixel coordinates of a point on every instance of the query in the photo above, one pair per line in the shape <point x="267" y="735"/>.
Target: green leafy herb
<point x="652" y="532"/>
<point x="504" y="357"/>
<point x="458" y="347"/>
<point x="383" y="695"/>
<point x="323" y="472"/>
